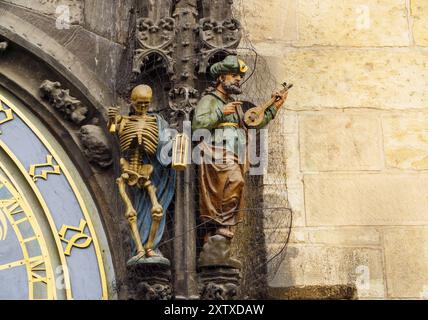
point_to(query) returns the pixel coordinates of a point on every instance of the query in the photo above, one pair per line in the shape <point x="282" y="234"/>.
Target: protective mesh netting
<point x="269" y="219"/>
<point x="260" y="242"/>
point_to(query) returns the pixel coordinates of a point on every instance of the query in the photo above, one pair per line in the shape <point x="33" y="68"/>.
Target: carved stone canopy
<point x="155" y="35"/>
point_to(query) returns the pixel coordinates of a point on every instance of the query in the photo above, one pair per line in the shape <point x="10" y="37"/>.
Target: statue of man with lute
<point x="222" y="182"/>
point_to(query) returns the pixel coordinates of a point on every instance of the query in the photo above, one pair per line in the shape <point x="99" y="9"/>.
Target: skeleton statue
<point x="143" y="139"/>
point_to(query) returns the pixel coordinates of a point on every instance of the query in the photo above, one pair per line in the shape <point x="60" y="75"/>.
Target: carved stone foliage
<point x="219" y="276"/>
<point x="219" y="283"/>
<point x="182" y="101"/>
<point x="217" y="33"/>
<point x="70" y="108"/>
<point x="96" y="146"/>
<point x="154" y="37"/>
<point x="3" y="46"/>
<point x="149" y="282"/>
<point x="183" y="98"/>
<point x="155" y="291"/>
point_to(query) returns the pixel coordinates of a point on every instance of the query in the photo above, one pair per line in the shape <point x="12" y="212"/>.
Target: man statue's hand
<point x="230" y="108"/>
<point x="280" y="99"/>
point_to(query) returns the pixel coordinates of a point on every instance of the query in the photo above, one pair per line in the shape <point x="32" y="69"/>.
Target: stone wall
<point x="355" y="134"/>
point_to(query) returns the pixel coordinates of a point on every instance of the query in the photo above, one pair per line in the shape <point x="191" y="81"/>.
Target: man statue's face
<point x="231" y="83"/>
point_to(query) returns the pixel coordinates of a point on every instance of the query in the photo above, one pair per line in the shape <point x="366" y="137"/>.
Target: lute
<point x="254" y="116"/>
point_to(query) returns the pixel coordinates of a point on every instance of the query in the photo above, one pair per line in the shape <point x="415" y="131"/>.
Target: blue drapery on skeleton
<point x="163" y="178"/>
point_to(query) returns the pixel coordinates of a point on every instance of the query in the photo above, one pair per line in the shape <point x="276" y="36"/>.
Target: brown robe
<point x="221" y="186"/>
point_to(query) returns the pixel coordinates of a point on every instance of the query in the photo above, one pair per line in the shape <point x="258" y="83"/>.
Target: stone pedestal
<point x="219" y="273"/>
<point x="149" y="282"/>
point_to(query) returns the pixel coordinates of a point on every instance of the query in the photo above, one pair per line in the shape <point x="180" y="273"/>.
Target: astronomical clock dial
<point x="51" y="241"/>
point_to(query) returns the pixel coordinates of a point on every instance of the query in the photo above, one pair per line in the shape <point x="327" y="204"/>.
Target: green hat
<point x="230" y="64"/>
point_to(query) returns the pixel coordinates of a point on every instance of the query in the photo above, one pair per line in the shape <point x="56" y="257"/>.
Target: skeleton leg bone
<point x="131" y="215"/>
<point x="157" y="214"/>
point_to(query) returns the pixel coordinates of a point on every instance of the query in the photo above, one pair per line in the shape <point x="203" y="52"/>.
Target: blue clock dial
<point x="50" y="246"/>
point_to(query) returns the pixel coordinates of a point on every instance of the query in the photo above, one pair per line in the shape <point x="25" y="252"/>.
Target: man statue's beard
<point x="231" y="88"/>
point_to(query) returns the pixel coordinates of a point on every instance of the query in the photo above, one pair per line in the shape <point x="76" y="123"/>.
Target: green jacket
<point x="209" y="114"/>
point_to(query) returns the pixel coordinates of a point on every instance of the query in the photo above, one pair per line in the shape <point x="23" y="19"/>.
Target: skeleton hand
<point x="113" y="118"/>
<point x="113" y="112"/>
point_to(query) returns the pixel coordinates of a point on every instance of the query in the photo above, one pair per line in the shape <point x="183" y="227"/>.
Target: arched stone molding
<point x="40" y="44"/>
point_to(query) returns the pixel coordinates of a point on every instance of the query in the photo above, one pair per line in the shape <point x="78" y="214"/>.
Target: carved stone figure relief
<point x="96" y="146"/>
<point x="70" y="108"/>
<point x="94" y="142"/>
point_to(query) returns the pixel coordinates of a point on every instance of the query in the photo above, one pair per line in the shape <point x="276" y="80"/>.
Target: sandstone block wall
<point x="355" y="142"/>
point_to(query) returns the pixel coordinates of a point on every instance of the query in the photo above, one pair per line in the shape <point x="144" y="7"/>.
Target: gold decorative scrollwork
<point x="44" y="175"/>
<point x="54" y="166"/>
<point x="3" y="226"/>
<point x="72" y="242"/>
<point x="7" y="206"/>
<point x="38" y="270"/>
<point x="16" y="211"/>
<point x="8" y="115"/>
<point x="3" y="220"/>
